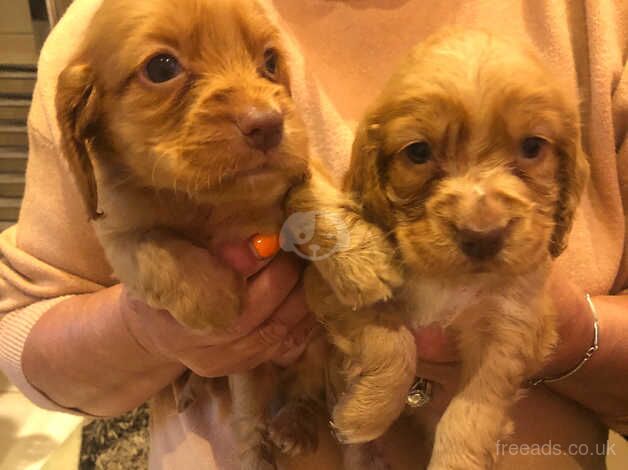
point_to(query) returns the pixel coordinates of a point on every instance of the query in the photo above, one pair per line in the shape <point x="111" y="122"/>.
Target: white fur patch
<point x="436" y="301"/>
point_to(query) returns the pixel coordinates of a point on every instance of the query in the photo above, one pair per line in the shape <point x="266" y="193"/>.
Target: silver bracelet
<point x="587" y="355"/>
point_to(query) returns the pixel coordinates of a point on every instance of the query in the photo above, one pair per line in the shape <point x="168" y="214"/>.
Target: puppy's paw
<point x="188" y="281"/>
<point x="294" y="429"/>
<point x="460" y="457"/>
<point x="352" y="423"/>
<point x="366" y="272"/>
<point x="364" y="287"/>
<point x="198" y="305"/>
<point x="378" y="380"/>
<point x="215" y="306"/>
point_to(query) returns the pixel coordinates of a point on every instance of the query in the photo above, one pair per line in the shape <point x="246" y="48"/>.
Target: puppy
<point x="471" y="159"/>
<point x="178" y="125"/>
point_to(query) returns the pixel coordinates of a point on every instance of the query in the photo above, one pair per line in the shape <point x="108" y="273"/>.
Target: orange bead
<point x="265" y="245"/>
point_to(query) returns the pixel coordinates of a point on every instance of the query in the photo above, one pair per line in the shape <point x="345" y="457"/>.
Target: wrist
<point x="81" y="355"/>
<point x="576" y="331"/>
<point x="133" y="316"/>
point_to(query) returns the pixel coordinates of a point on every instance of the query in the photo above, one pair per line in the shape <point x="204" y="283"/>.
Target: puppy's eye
<point x="418" y="152"/>
<point x="271" y="60"/>
<point x="162" y="68"/>
<point x="531" y="146"/>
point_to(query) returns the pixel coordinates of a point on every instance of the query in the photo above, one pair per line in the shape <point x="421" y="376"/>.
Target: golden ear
<point x="573" y="173"/>
<point x="77" y="113"/>
<point x="366" y="177"/>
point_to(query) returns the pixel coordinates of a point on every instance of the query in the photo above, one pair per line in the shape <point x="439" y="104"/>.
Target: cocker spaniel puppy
<point x="471" y="159"/>
<point x="178" y="125"/>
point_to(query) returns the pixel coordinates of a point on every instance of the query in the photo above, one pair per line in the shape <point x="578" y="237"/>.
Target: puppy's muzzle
<point x="481" y="245"/>
<point x="482" y="223"/>
<point x="480" y="212"/>
<point x="261" y="127"/>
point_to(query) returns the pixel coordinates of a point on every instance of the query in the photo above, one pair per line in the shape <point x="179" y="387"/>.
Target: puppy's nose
<point x="481" y="245"/>
<point x="262" y="127"/>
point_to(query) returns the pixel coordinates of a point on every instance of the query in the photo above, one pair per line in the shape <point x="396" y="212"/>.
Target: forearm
<point x="602" y="384"/>
<point x="82" y="355"/>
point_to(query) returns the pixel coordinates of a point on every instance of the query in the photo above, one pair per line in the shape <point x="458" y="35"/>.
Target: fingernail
<point x="265" y="246"/>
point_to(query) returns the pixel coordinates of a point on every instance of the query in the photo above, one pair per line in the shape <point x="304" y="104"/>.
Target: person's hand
<point x="274" y="324"/>
<point x="438" y="360"/>
<point x="574" y="325"/>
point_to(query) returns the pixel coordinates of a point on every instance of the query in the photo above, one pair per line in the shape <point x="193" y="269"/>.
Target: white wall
<point x="15" y="17"/>
<point x="17" y="43"/>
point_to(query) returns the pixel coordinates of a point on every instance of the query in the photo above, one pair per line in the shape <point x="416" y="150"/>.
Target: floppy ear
<point x="77" y="113"/>
<point x="573" y="173"/>
<point x="366" y="177"/>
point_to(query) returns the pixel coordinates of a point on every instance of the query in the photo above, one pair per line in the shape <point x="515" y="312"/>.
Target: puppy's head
<point x="192" y="95"/>
<point x="471" y="155"/>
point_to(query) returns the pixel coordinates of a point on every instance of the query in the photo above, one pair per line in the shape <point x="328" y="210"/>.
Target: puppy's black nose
<point x="262" y="127"/>
<point x="481" y="245"/>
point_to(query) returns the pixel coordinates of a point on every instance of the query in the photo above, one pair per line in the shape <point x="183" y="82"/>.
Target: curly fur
<point x="473" y="98"/>
<point x="166" y="172"/>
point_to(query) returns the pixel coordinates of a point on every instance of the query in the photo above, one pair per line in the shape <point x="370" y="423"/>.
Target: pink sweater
<point x="341" y="52"/>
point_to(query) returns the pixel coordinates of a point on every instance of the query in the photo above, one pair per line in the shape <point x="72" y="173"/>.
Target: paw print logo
<point x="299" y="231"/>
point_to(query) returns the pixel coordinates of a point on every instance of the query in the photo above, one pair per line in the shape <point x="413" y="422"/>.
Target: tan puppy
<point x="471" y="158"/>
<point x="179" y="127"/>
